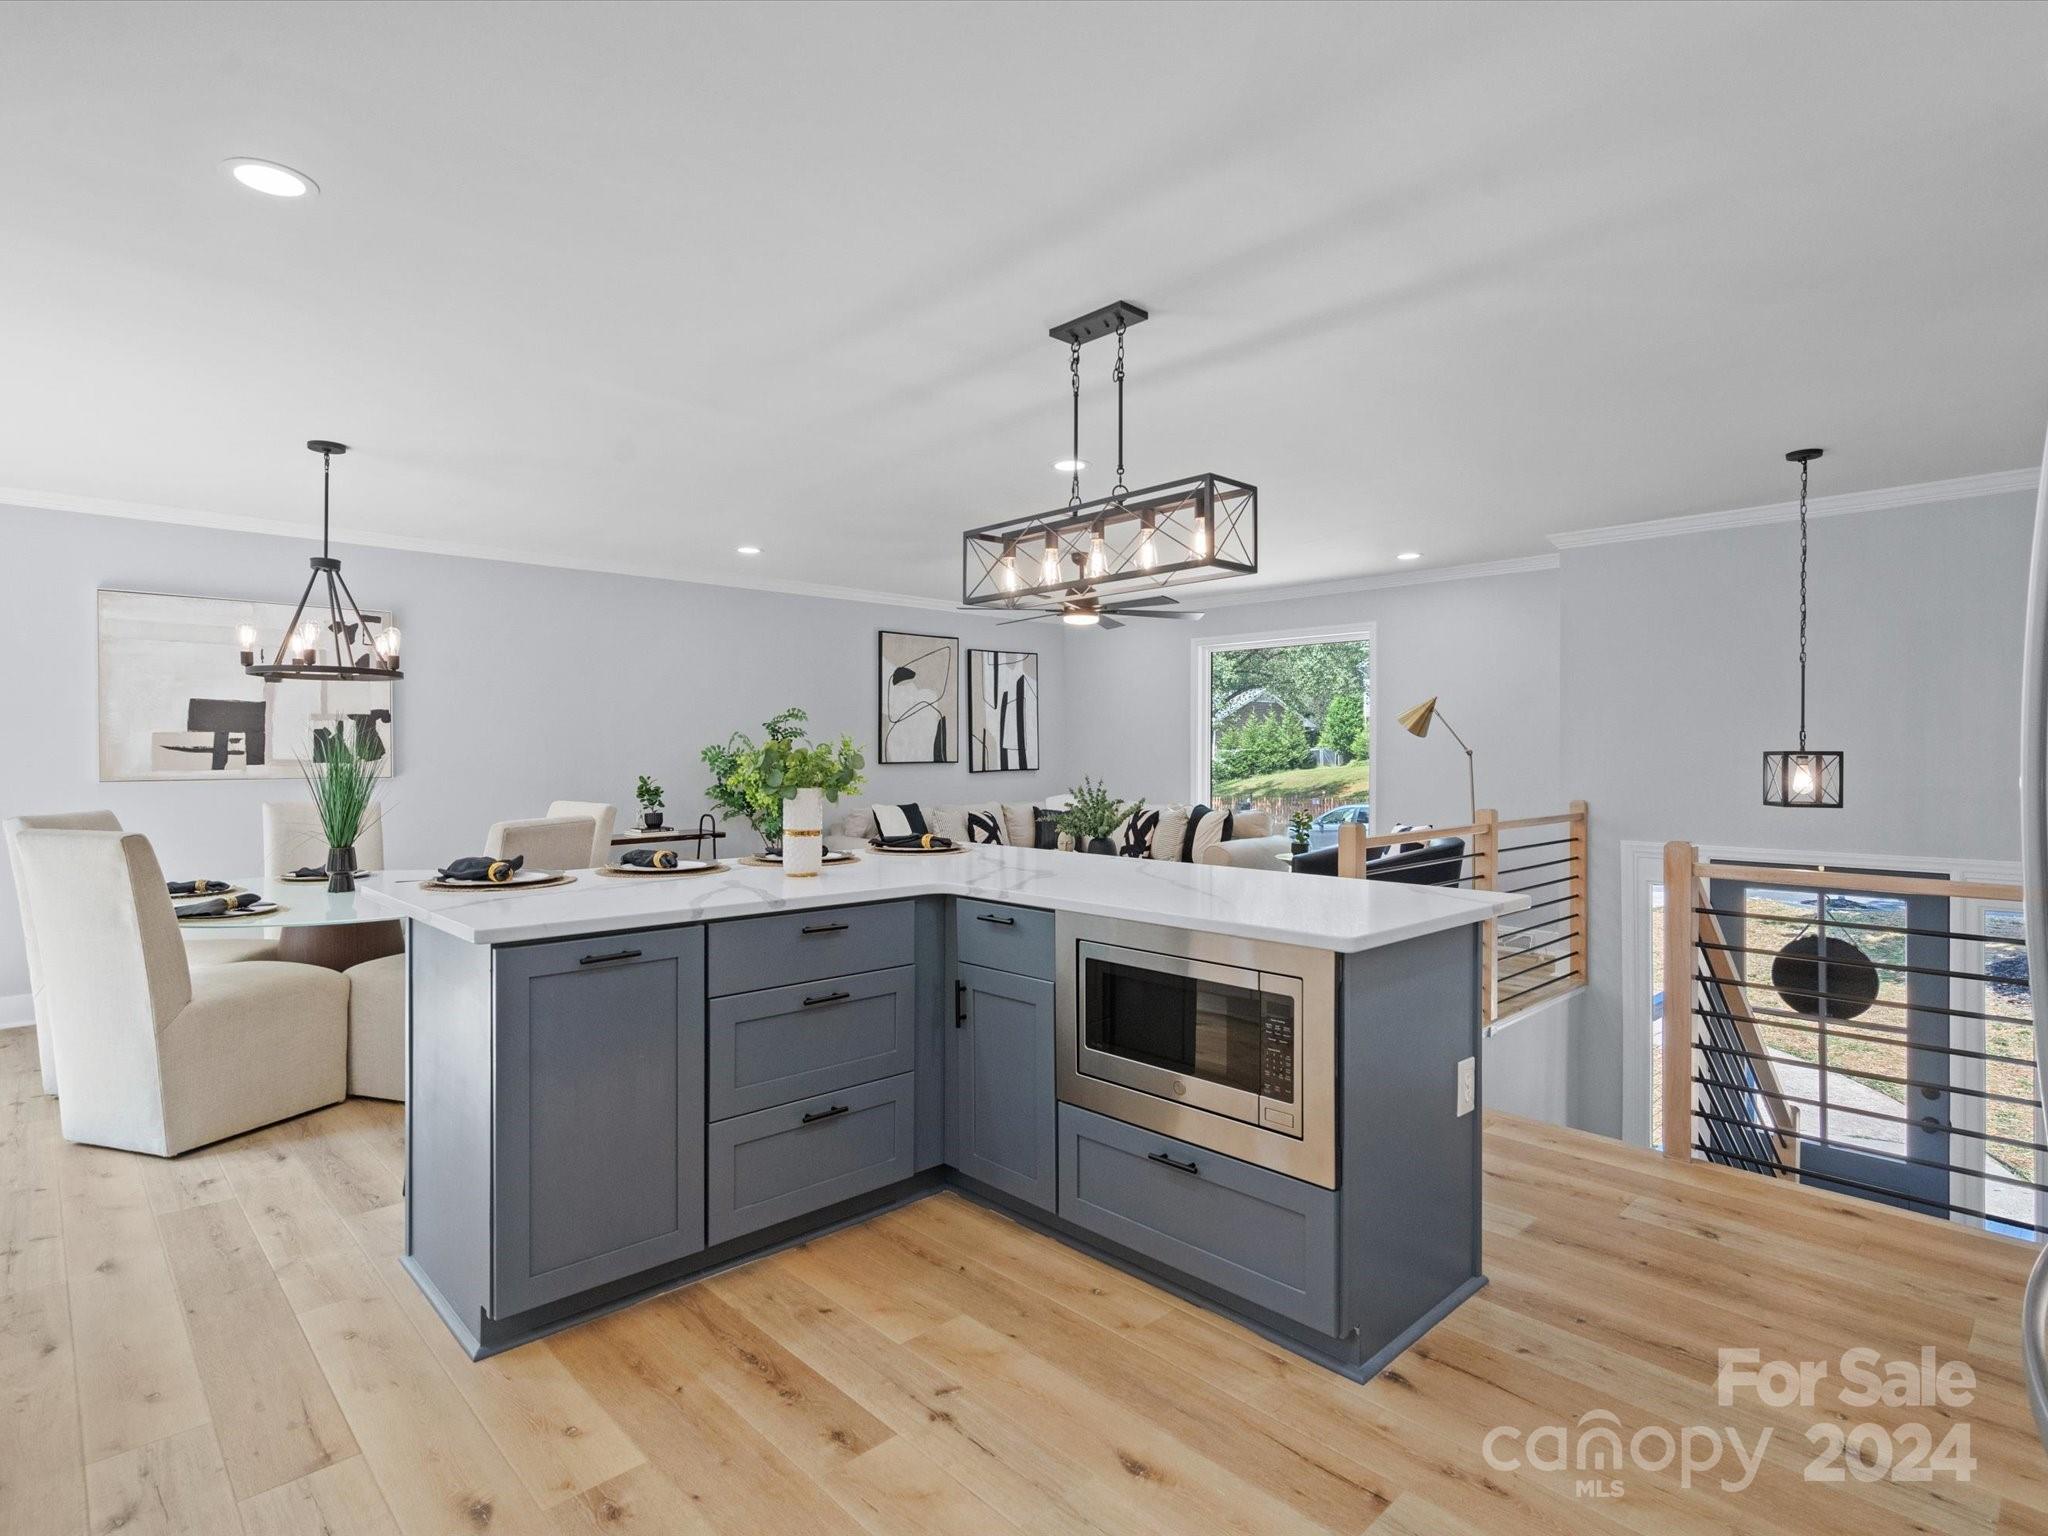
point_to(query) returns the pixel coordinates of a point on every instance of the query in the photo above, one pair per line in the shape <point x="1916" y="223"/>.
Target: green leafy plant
<point x="344" y="785"/>
<point x="1095" y="812"/>
<point x="788" y="766"/>
<point x="1297" y="830"/>
<point x="740" y="787"/>
<point x="648" y="793"/>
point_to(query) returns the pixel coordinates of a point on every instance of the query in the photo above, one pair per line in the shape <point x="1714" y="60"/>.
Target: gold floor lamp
<point x="1416" y="722"/>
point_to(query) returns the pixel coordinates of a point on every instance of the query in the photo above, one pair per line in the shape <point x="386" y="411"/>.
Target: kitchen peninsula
<point x="1254" y="1089"/>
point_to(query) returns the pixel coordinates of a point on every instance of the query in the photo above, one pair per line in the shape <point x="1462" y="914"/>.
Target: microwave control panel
<point x="1277" y="1067"/>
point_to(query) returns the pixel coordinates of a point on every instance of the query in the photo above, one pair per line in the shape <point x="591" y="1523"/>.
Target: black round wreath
<point x="1852" y="979"/>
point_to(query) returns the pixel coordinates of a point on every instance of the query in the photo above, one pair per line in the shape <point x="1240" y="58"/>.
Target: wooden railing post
<point x="1581" y="911"/>
<point x="1680" y="860"/>
<point x="1486" y="877"/>
<point x="1351" y="851"/>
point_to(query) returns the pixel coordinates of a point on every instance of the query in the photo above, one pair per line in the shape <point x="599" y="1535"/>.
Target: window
<point x="1284" y="725"/>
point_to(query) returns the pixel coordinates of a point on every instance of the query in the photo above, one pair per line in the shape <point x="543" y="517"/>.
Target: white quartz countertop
<point x="1320" y="912"/>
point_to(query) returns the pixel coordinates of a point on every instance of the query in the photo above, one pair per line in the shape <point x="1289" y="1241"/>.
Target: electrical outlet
<point x="1468" y="1085"/>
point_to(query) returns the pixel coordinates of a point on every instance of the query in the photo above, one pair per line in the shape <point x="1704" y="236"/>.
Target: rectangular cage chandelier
<point x="1197" y="528"/>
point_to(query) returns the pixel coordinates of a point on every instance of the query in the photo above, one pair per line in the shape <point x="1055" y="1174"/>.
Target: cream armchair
<point x="293" y="839"/>
<point x="605" y="816"/>
<point x="155" y="1056"/>
<point x="555" y="842"/>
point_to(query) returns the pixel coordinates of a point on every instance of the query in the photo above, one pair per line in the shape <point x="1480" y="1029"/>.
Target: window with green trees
<point x="1290" y="729"/>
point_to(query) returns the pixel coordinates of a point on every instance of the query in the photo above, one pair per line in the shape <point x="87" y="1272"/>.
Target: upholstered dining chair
<point x="221" y="950"/>
<point x="606" y="817"/>
<point x="154" y="1055"/>
<point x="552" y="842"/>
<point x="293" y="839"/>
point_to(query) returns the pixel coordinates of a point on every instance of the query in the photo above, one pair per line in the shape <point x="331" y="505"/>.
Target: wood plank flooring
<point x="225" y="1344"/>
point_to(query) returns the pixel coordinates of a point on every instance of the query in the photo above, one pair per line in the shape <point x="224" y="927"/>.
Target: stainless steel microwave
<point x="1224" y="1042"/>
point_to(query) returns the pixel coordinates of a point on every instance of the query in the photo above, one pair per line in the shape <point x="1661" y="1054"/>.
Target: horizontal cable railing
<point x="1857" y="1031"/>
<point x="1531" y="955"/>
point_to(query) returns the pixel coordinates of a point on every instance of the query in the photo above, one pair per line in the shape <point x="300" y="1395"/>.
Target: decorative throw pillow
<point x="969" y="823"/>
<point x="1045" y="827"/>
<point x="1250" y="824"/>
<point x="1171" y="835"/>
<point x="1020" y="823"/>
<point x="1206" y="828"/>
<point x="899" y="820"/>
<point x="1134" y="839"/>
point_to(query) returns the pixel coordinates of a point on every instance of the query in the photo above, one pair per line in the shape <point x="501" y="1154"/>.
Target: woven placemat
<point x="501" y="890"/>
<point x="755" y="861"/>
<point x="613" y="872"/>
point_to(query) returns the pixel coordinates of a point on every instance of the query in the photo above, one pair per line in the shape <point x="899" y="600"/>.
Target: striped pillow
<point x="899" y="820"/>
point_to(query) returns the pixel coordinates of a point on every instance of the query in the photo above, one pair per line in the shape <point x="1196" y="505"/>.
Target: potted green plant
<point x="649" y="794"/>
<point x="1297" y="832"/>
<point x="1094" y="815"/>
<point x="344" y="784"/>
<point x="736" y="786"/>
<point x="805" y="775"/>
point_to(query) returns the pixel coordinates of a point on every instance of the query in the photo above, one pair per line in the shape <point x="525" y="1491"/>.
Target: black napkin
<point x="914" y="840"/>
<point x="310" y="872"/>
<point x="483" y="871"/>
<point x="195" y="887"/>
<point x="651" y="858"/>
<point x="220" y="906"/>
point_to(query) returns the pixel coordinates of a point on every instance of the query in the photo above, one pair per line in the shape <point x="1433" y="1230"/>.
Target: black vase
<point x="341" y="868"/>
<point x="1102" y="845"/>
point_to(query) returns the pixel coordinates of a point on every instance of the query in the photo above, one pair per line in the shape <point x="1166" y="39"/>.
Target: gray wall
<point x="523" y="684"/>
<point x="1488" y="647"/>
<point x="1679" y="672"/>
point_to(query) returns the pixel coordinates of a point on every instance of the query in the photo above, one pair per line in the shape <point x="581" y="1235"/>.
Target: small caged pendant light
<point x="1804" y="778"/>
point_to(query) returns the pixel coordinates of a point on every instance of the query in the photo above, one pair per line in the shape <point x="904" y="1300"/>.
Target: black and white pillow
<point x="986" y="826"/>
<point x="1134" y="837"/>
<point x="1206" y="828"/>
<point x="899" y="821"/>
<point x="1045" y="827"/>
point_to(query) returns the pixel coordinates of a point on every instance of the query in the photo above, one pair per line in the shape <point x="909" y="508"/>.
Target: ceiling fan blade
<point x="1143" y="615"/>
<point x="1107" y="622"/>
<point x="1148" y="602"/>
<point x="1028" y="618"/>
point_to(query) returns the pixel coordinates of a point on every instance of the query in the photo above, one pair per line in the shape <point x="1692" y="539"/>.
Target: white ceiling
<point x="630" y="285"/>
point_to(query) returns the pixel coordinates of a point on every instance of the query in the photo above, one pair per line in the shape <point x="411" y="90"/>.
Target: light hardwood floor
<point x="225" y="1343"/>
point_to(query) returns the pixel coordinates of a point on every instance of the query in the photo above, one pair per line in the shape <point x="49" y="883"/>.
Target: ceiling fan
<point x="1086" y="608"/>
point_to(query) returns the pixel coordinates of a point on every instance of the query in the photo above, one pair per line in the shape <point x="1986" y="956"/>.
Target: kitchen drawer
<point x="1253" y="1233"/>
<point x="776" y="1164"/>
<point x="751" y="953"/>
<point x="1006" y="938"/>
<point x="787" y="1043"/>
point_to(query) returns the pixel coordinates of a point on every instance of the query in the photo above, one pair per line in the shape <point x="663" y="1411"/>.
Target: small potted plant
<point x="343" y="783"/>
<point x="805" y="775"/>
<point x="649" y="794"/>
<point x="1094" y="815"/>
<point x="1297" y="832"/>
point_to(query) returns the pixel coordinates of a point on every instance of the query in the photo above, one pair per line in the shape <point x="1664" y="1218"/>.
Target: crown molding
<point x="1966" y="488"/>
<point x="1198" y="597"/>
<point x="94" y="506"/>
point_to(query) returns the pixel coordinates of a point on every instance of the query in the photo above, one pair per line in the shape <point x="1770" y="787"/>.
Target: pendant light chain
<point x="1802" y="605"/>
<point x="1074" y="370"/>
<point x="326" y="488"/>
<point x="1119" y="489"/>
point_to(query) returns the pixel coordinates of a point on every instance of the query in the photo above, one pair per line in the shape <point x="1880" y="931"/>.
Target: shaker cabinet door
<point x="599" y="1134"/>
<point x="1000" y="1118"/>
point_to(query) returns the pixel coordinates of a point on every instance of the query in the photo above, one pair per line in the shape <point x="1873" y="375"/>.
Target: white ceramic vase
<point x="803" y="833"/>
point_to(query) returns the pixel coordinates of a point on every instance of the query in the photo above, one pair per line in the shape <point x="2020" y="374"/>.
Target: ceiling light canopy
<point x="329" y="639"/>
<point x="1197" y="528"/>
<point x="270" y="178"/>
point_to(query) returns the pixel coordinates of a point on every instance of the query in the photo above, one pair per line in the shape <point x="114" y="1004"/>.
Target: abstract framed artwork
<point x="1002" y="711"/>
<point x="174" y="702"/>
<point x="920" y="698"/>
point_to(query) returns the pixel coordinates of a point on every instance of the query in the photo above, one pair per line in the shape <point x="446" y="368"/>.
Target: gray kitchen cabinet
<point x="1001" y="1125"/>
<point x="786" y="1043"/>
<point x="598" y="1131"/>
<point x="777" y="1164"/>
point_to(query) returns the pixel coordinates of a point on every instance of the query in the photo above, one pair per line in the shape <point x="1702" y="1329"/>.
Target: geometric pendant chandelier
<point x="1198" y="528"/>
<point x="329" y="638"/>
<point x="1804" y="778"/>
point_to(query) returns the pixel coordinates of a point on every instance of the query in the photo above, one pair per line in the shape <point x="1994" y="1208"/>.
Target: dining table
<point x="312" y="925"/>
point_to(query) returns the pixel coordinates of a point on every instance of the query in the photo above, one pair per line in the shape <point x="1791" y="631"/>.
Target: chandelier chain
<point x="1074" y="371"/>
<point x="1119" y="489"/>
<point x="1802" y="606"/>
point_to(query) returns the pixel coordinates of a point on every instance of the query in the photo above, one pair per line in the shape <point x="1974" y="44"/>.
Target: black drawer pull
<point x="824" y="928"/>
<point x="825" y="1114"/>
<point x="1161" y="1157"/>
<point x="828" y="997"/>
<point x="990" y="917"/>
<point x="623" y="954"/>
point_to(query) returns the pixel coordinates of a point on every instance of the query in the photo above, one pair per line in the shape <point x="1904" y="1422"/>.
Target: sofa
<point x="1162" y="831"/>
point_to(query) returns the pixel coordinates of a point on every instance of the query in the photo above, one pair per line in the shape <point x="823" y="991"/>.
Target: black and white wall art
<point x="174" y="702"/>
<point x="920" y="713"/>
<point x="1002" y="711"/>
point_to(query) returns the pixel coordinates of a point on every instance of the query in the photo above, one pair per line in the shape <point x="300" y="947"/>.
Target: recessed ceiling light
<point x="270" y="178"/>
<point x="750" y="549"/>
<point x="1070" y="466"/>
<point x="1409" y="554"/>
